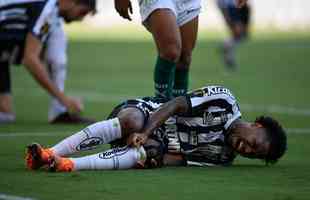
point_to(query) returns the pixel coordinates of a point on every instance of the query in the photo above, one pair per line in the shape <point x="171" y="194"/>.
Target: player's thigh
<point x="131" y="119"/>
<point x="189" y="32"/>
<point x="163" y="26"/>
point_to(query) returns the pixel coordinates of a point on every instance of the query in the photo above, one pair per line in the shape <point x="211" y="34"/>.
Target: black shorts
<point x="10" y="53"/>
<point x="239" y="15"/>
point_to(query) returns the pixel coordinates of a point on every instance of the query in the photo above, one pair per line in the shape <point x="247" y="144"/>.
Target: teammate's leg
<point x="189" y="37"/>
<point x="163" y="26"/>
<point x="56" y="58"/>
<point x="6" y="108"/>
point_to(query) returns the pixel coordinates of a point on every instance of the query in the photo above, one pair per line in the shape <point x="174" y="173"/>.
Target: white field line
<point x="64" y="134"/>
<point x="99" y="96"/>
<point x="11" y="197"/>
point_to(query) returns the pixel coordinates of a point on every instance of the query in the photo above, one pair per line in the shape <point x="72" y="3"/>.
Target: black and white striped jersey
<point x="19" y="17"/>
<point x="201" y="133"/>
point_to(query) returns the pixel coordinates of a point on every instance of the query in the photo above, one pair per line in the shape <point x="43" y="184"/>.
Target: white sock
<point x="6" y="117"/>
<point x="58" y="76"/>
<point x="230" y="43"/>
<point x="116" y="158"/>
<point x="56" y="58"/>
<point x="96" y="134"/>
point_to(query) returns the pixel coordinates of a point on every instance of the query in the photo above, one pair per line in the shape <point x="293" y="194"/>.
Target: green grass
<point x="274" y="70"/>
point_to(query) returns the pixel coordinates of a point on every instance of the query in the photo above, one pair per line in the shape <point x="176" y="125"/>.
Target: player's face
<point x="76" y="12"/>
<point x="251" y="141"/>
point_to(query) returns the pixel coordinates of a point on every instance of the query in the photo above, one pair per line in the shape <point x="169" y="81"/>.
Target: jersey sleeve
<point x="40" y="14"/>
<point x="213" y="99"/>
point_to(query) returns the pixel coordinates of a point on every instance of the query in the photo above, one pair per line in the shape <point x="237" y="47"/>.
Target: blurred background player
<point x="238" y="20"/>
<point x="202" y="128"/>
<point x="26" y="28"/>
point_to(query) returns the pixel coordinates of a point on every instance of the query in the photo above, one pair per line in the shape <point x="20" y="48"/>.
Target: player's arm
<point x="123" y="7"/>
<point x="175" y="106"/>
<point x="37" y="69"/>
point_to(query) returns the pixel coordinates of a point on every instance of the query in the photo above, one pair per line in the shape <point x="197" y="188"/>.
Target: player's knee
<point x="131" y="120"/>
<point x="171" y="52"/>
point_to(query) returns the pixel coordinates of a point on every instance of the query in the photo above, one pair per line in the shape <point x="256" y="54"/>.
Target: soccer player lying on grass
<point x="202" y="128"/>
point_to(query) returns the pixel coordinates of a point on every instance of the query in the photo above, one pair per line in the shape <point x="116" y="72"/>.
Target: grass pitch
<point x="273" y="78"/>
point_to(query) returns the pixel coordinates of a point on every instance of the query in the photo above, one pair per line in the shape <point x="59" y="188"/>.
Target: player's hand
<point x="123" y="7"/>
<point x="240" y="3"/>
<point x="136" y="139"/>
<point x="73" y="105"/>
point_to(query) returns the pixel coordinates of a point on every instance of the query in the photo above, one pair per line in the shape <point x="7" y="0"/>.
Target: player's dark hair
<point x="92" y="4"/>
<point x="277" y="137"/>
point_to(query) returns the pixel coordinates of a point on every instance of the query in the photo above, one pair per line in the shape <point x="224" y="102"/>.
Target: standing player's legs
<point x="56" y="58"/>
<point x="189" y="37"/>
<point x="163" y="26"/>
<point x="6" y="108"/>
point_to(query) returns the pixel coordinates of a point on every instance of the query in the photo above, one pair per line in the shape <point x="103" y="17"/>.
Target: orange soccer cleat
<point x="61" y="164"/>
<point x="37" y="156"/>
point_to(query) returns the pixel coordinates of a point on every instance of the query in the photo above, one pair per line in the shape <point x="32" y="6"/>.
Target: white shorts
<point x="184" y="10"/>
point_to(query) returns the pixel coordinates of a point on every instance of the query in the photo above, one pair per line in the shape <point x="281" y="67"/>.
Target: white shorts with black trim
<point x="184" y="10"/>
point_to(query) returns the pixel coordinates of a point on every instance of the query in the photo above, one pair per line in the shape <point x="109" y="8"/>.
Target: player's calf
<point x="116" y="158"/>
